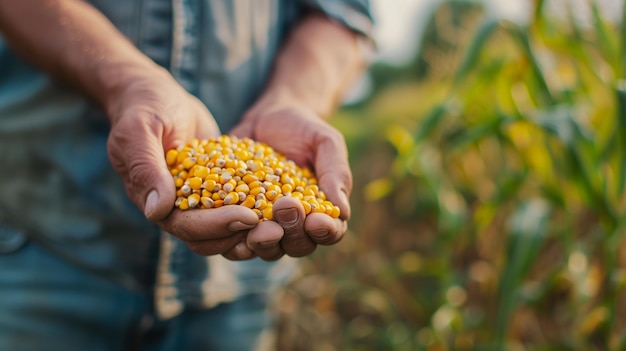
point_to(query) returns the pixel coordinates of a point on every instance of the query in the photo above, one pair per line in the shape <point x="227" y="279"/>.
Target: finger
<point x="325" y="230"/>
<point x="136" y="151"/>
<point x="207" y="224"/>
<point x="333" y="172"/>
<point x="217" y="246"/>
<point x="264" y="240"/>
<point x="206" y="125"/>
<point x="289" y="213"/>
<point x="239" y="252"/>
<point x="244" y="129"/>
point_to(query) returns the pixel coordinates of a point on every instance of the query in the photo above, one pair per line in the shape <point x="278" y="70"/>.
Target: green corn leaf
<point x="623" y="44"/>
<point x="430" y="122"/>
<point x="620" y="89"/>
<point x="605" y="42"/>
<point x="521" y="35"/>
<point x="482" y="35"/>
<point x="526" y="233"/>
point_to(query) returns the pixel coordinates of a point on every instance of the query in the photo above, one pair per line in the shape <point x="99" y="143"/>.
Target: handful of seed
<point x="240" y="171"/>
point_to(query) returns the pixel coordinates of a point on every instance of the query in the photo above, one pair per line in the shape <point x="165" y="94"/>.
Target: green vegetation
<point x="489" y="200"/>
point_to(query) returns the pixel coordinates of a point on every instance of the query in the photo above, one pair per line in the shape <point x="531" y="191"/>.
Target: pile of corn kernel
<point x="228" y="170"/>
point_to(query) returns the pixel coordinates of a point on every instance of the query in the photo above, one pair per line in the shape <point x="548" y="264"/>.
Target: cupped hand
<point x="152" y="115"/>
<point x="302" y="136"/>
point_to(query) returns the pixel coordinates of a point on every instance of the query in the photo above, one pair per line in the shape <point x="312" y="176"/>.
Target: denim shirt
<point x="57" y="187"/>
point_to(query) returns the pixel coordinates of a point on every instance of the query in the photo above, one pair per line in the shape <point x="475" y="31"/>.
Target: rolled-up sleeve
<point x="354" y="14"/>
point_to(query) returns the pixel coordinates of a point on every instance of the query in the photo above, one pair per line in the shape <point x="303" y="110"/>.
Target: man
<point x="87" y="266"/>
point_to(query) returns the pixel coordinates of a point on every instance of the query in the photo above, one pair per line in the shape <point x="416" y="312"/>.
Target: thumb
<point x="151" y="180"/>
<point x="138" y="156"/>
<point x="333" y="173"/>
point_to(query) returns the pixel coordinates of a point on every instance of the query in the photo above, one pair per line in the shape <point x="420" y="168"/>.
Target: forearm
<point x="315" y="66"/>
<point x="74" y="42"/>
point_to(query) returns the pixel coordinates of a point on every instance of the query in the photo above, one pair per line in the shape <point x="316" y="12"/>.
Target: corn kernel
<point x="189" y="162"/>
<point x="207" y="202"/>
<point x="249" y="202"/>
<point x="184" y="204"/>
<point x="231" y="198"/>
<point x="267" y="212"/>
<point x="193" y="200"/>
<point x="201" y="172"/>
<point x="195" y="183"/>
<point x="170" y="157"/>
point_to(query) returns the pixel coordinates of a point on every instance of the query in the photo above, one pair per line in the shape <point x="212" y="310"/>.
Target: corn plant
<point x="490" y="213"/>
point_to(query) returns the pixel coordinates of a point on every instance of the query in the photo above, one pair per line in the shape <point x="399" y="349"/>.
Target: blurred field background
<point x="489" y="197"/>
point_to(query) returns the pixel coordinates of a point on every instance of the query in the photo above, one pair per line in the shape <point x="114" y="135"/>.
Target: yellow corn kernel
<point x="336" y="212"/>
<point x="307" y="207"/>
<point x="216" y="196"/>
<point x="178" y="182"/>
<point x="274" y="187"/>
<point x="257" y="191"/>
<point x="189" y="162"/>
<point x="207" y="202"/>
<point x="260" y="204"/>
<point x="267" y="213"/>
<point x="243" y="155"/>
<point x="231" y="198"/>
<point x="170" y="157"/>
<point x="317" y="208"/>
<point x="209" y="184"/>
<point x="259" y="174"/>
<point x="182" y="155"/>
<point x="218" y="203"/>
<point x="248" y="202"/>
<point x="195" y="183"/>
<point x="258" y="212"/>
<point x="312" y="190"/>
<point x="271" y="194"/>
<point x="179" y="199"/>
<point x="244" y="188"/>
<point x="328" y="207"/>
<point x="201" y="172"/>
<point x="242" y="195"/>
<point x="213" y="176"/>
<point x="186" y="189"/>
<point x="286" y="188"/>
<point x="249" y="178"/>
<point x="193" y="200"/>
<point x="229" y="185"/>
<point x="184" y="205"/>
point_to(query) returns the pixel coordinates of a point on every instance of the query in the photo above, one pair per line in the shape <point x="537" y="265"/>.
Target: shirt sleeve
<point x="354" y="14"/>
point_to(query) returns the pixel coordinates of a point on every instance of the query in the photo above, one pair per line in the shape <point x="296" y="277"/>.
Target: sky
<point x="400" y="22"/>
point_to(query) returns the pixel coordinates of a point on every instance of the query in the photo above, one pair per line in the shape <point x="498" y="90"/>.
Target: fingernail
<point x="237" y="226"/>
<point x="344" y="197"/>
<point x="287" y="216"/>
<point x="151" y="203"/>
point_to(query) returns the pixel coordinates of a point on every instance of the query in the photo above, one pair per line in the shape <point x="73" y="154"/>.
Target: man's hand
<point x="314" y="67"/>
<point x="152" y="115"/>
<point x="305" y="138"/>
